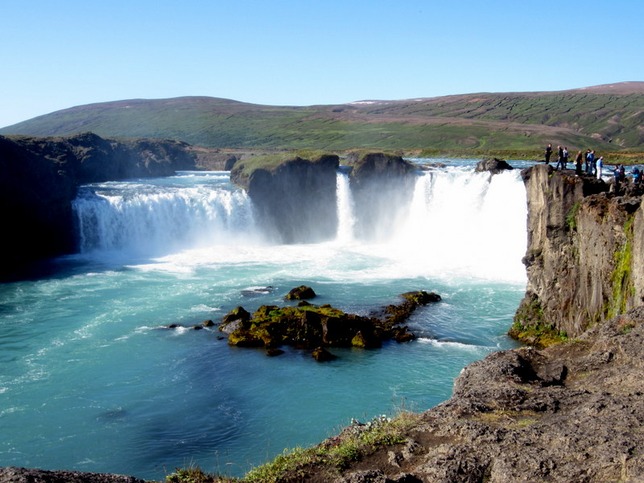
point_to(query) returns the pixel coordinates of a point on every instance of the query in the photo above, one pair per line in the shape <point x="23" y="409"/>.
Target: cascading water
<point x="92" y="380"/>
<point x="162" y="215"/>
<point x="346" y="216"/>
<point x="462" y="223"/>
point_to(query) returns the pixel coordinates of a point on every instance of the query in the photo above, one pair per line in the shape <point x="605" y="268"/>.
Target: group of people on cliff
<point x="589" y="164"/>
<point x="585" y="163"/>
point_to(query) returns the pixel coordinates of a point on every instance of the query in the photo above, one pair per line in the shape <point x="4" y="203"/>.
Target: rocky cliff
<point x="583" y="260"/>
<point x="294" y="197"/>
<point x="40" y="177"/>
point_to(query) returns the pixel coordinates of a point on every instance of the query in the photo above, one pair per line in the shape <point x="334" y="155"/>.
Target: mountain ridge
<point x="607" y="117"/>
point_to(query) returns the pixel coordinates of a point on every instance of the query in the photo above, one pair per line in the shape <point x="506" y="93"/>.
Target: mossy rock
<point x="320" y="354"/>
<point x="309" y="326"/>
<point x="302" y="292"/>
<point x="420" y="297"/>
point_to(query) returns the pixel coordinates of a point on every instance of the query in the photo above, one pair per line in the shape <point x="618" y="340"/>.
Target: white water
<point x="176" y="213"/>
<point x="88" y="381"/>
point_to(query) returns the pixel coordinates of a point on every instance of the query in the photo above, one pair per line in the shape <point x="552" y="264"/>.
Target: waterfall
<point x="468" y="223"/>
<point x="159" y="216"/>
<point x="458" y="223"/>
<point x="346" y="215"/>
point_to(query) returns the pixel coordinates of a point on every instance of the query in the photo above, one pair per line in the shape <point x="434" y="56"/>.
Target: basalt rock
<point x="27" y="475"/>
<point x="493" y="165"/>
<point x="571" y="412"/>
<point x="294" y="198"/>
<point x="302" y="292"/>
<point x="583" y="256"/>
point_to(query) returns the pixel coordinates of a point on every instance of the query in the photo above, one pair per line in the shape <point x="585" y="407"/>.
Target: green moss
<point x="622" y="283"/>
<point x="539" y="336"/>
<point x="571" y="217"/>
<point x="270" y="162"/>
<point x="530" y="326"/>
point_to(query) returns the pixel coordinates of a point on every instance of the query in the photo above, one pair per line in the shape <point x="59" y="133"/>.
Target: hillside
<point x="608" y="118"/>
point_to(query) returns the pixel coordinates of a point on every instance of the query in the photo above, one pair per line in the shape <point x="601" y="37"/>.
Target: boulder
<point x="302" y="292"/>
<point x="493" y="165"/>
<point x="320" y="354"/>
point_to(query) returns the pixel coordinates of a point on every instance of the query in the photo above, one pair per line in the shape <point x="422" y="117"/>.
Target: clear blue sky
<point x="57" y="54"/>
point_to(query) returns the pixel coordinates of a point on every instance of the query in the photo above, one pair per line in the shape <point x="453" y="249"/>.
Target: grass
<point x="271" y="161"/>
<point x="509" y="419"/>
<point x="473" y="123"/>
<point x="333" y="455"/>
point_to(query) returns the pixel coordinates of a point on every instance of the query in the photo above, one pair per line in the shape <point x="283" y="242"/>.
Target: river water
<point x="90" y="380"/>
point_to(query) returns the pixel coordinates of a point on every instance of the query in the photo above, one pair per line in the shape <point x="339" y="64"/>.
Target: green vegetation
<point x="571" y="216"/>
<point x="272" y="161"/>
<point x="519" y="124"/>
<point x="336" y="453"/>
<point x="539" y="336"/>
<point x="530" y="326"/>
<point x="510" y="419"/>
<point x="621" y="278"/>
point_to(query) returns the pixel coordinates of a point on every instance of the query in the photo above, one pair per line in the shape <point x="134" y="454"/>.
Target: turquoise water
<point x="90" y="379"/>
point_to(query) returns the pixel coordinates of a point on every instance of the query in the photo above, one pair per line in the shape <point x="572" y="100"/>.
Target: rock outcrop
<point x="493" y="165"/>
<point x="26" y="475"/>
<point x="40" y="177"/>
<point x="572" y="412"/>
<point x="294" y="198"/>
<point x="316" y="327"/>
<point x="583" y="260"/>
<point x="381" y="185"/>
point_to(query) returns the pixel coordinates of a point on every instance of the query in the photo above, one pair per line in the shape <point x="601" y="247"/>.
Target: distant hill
<point x="607" y="117"/>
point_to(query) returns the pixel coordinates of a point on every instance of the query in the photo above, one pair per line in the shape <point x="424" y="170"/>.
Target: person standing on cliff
<point x="565" y="157"/>
<point x="578" y="159"/>
<point x="560" y="157"/>
<point x="600" y="166"/>
<point x="590" y="162"/>
<point x="548" y="153"/>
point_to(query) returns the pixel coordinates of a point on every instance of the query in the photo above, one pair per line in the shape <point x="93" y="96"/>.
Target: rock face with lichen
<point x="583" y="260"/>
